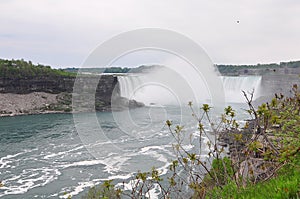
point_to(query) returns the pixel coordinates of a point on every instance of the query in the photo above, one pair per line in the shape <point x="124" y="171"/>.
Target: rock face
<point x="279" y="83"/>
<point x="29" y="85"/>
<point x="95" y="93"/>
<point x="276" y="83"/>
<point x="99" y="90"/>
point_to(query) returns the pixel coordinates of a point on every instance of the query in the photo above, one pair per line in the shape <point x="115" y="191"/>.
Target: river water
<point x="54" y="156"/>
<point x="44" y="156"/>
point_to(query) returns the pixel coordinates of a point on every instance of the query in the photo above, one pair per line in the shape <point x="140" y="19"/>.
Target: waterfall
<point x="233" y="87"/>
<point x="162" y="87"/>
<point x="143" y="88"/>
<point x="167" y="88"/>
<point x="129" y="84"/>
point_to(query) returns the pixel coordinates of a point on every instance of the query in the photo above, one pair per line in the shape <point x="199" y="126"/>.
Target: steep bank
<point x="50" y="94"/>
<point x="30" y="89"/>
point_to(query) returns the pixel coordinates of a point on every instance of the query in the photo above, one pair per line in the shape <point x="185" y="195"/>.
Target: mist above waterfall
<point x="163" y="86"/>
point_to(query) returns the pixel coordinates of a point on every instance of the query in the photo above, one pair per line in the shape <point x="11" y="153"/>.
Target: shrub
<point x="104" y="191"/>
<point x="263" y="164"/>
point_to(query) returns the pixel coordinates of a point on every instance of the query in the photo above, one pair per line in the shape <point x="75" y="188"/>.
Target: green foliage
<point x="223" y="169"/>
<point x="263" y="68"/>
<point x="277" y="141"/>
<point x="105" y="191"/>
<point x="99" y="70"/>
<point x="237" y="68"/>
<point x="224" y="69"/>
<point x="23" y="69"/>
<point x="267" y="165"/>
<point x="206" y="108"/>
<point x="285" y="185"/>
<point x="168" y="123"/>
<point x="116" y="70"/>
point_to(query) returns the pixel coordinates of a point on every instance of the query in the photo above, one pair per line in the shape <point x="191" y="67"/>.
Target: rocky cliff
<point x="279" y="83"/>
<point x="57" y="85"/>
<point x="61" y="89"/>
<point x="27" y="85"/>
<point x="276" y="83"/>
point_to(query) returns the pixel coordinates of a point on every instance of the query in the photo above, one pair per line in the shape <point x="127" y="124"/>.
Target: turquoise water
<point x="45" y="156"/>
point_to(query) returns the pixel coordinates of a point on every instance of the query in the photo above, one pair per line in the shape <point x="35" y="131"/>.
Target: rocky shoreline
<point x="46" y="94"/>
<point x="238" y="142"/>
<point x="13" y="104"/>
<point x="235" y="140"/>
<point x="48" y="103"/>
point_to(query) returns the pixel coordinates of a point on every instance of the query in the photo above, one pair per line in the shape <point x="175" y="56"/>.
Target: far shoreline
<point x="39" y="113"/>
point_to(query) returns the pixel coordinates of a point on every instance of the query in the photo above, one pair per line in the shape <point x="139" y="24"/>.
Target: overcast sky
<point x="63" y="32"/>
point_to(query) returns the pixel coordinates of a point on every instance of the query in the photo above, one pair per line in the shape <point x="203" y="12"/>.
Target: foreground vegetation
<point x="264" y="161"/>
<point x="285" y="184"/>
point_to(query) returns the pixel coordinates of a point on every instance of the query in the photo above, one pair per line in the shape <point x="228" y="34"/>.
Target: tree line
<point x="26" y="69"/>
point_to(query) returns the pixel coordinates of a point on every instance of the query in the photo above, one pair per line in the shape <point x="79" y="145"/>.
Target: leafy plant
<point x="105" y="191"/>
<point x="264" y="160"/>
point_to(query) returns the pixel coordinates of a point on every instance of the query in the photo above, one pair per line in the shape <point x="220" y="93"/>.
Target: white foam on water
<point x="4" y="161"/>
<point x="188" y="147"/>
<point x="83" y="185"/>
<point x="83" y="163"/>
<point x="24" y="182"/>
<point x="62" y="152"/>
<point x="122" y="177"/>
<point x="155" y="191"/>
<point x="115" y="163"/>
<point x="52" y="195"/>
<point x="160" y="157"/>
<point x="112" y="163"/>
<point x="154" y="152"/>
<point x="147" y="148"/>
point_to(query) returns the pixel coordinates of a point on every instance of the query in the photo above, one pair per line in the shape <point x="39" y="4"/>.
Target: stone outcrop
<point x="31" y="103"/>
<point x="279" y="83"/>
<point x="36" y="84"/>
<point x="275" y="83"/>
<point x="101" y="92"/>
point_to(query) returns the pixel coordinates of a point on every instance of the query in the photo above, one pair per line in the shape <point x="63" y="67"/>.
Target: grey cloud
<point x="74" y="28"/>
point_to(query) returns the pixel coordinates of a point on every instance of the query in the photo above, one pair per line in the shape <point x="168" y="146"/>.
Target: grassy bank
<point x="284" y="184"/>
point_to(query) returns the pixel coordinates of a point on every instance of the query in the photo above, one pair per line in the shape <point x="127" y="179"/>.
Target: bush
<point x="264" y="164"/>
<point x="104" y="191"/>
<point x="285" y="185"/>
